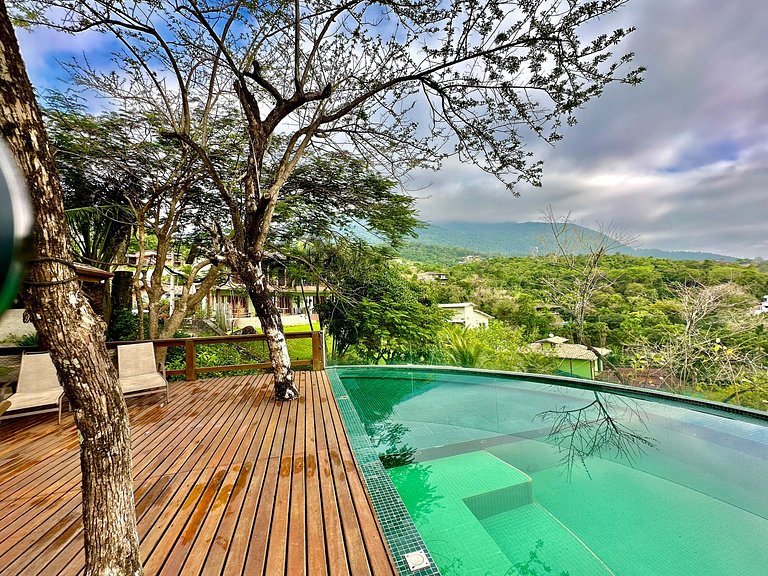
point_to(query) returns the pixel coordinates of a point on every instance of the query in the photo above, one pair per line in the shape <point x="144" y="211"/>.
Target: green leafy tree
<point x="330" y="197"/>
<point x="505" y="347"/>
<point x="96" y="197"/>
<point x="374" y="313"/>
<point x="337" y="194"/>
<point x="119" y="177"/>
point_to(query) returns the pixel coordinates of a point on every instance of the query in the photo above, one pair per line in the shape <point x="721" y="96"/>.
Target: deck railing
<point x="191" y="370"/>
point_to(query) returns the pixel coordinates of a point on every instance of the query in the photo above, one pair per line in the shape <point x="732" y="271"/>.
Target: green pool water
<point x="503" y="476"/>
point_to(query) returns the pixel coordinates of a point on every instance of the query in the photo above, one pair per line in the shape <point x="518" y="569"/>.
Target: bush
<point x="32" y="339"/>
<point x="123" y="326"/>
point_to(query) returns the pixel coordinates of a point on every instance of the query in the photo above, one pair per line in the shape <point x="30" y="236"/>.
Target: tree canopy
<point x="338" y="194"/>
<point x="403" y="83"/>
<point x="398" y="84"/>
<point x="374" y="312"/>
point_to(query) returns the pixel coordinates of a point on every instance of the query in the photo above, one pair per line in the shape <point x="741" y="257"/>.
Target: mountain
<point x="523" y="239"/>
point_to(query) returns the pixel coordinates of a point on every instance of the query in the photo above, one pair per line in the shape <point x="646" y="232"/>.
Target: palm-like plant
<point x="462" y="347"/>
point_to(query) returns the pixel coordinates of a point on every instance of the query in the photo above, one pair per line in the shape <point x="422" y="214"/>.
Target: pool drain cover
<point x="417" y="560"/>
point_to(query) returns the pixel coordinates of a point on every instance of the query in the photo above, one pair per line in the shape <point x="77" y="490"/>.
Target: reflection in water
<point x="422" y="496"/>
<point x="533" y="566"/>
<point x="598" y="429"/>
<point x="381" y="395"/>
<point x="390" y="435"/>
<point x="397" y="457"/>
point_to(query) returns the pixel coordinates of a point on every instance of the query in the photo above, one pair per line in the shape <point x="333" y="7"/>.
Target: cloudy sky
<point x="680" y="161"/>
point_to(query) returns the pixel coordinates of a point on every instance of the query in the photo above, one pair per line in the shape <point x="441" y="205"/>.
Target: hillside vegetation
<point x="691" y="322"/>
<point x="513" y="239"/>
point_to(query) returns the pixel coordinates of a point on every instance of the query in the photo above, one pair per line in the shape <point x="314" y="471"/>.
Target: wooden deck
<point x="226" y="480"/>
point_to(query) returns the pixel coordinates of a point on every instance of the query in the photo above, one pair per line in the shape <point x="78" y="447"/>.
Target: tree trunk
<point x="74" y="335"/>
<point x="121" y="290"/>
<point x="137" y="276"/>
<point x="187" y="304"/>
<point x="255" y="281"/>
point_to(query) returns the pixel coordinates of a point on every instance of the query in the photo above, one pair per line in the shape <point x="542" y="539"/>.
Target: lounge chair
<point x="38" y="387"/>
<point x="137" y="368"/>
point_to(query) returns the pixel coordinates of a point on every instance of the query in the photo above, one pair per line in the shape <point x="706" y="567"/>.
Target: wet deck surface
<point x="226" y="480"/>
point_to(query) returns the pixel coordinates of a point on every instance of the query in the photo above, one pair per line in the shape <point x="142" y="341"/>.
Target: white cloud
<point x="43" y="49"/>
<point x="681" y="160"/>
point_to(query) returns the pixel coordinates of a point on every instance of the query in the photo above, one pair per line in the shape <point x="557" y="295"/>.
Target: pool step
<point x="477" y="515"/>
<point x="528" y="456"/>
<point x="443" y="497"/>
<point x="535" y="542"/>
<point x="493" y="502"/>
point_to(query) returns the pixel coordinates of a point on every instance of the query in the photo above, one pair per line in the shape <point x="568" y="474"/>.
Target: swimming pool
<point x="508" y="476"/>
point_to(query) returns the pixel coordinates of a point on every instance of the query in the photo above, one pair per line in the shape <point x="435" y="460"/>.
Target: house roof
<point x="556" y="340"/>
<point x="570" y="351"/>
<point x="91" y="273"/>
<point x="476" y="311"/>
<point x="462" y="305"/>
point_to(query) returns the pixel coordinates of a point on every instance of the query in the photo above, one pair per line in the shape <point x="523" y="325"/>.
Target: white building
<point x="464" y="313"/>
<point x="439" y="277"/>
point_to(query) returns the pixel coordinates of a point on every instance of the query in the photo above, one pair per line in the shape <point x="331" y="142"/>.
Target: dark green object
<point x="15" y="228"/>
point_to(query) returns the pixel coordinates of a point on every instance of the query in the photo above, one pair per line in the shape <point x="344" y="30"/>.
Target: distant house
<point x="291" y="299"/>
<point x="150" y="258"/>
<point x="574" y="359"/>
<point x="439" y="277"/>
<point x="464" y="313"/>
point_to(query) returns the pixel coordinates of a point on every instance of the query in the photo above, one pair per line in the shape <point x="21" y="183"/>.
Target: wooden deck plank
<point x="256" y="558"/>
<point x="165" y="436"/>
<point x="216" y="493"/>
<point x="317" y="562"/>
<point x="236" y="513"/>
<point x="369" y="527"/>
<point x="227" y="481"/>
<point x="353" y="538"/>
<point x="296" y="561"/>
<point x="237" y="551"/>
<point x="231" y="487"/>
<point x="334" y="534"/>
<point x="189" y="474"/>
<point x="59" y="545"/>
<point x="280" y="513"/>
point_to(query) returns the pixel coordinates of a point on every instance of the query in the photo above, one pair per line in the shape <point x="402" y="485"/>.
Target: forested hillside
<point x="516" y="239"/>
<point x="691" y="321"/>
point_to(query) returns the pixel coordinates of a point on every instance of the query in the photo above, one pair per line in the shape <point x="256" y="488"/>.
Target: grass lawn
<point x="299" y="349"/>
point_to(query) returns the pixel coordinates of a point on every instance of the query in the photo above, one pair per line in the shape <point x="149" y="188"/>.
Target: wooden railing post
<point x="318" y="358"/>
<point x="190" y="372"/>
